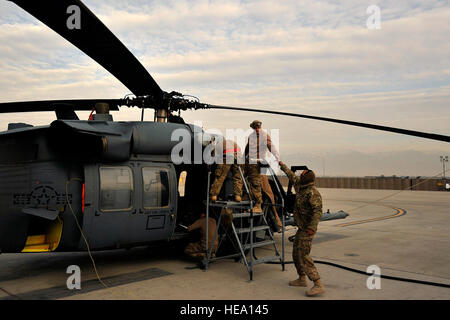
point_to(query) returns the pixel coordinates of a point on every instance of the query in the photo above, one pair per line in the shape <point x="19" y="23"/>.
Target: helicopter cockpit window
<point x="116" y="188"/>
<point x="156" y="187"/>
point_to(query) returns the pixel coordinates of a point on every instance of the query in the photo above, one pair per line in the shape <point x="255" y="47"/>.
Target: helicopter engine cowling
<point x="118" y="141"/>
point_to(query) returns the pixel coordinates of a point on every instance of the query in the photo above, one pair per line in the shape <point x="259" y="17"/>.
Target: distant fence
<point x="386" y="183"/>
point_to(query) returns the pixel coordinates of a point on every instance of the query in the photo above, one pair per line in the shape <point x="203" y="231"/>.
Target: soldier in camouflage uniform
<point x="231" y="154"/>
<point x="252" y="172"/>
<point x="265" y="186"/>
<point x="198" y="249"/>
<point x="307" y="214"/>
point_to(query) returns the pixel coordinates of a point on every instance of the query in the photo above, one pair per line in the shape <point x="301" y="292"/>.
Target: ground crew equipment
<point x="246" y="231"/>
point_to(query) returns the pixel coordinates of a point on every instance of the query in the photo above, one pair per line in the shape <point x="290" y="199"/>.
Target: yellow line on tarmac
<point x="400" y="212"/>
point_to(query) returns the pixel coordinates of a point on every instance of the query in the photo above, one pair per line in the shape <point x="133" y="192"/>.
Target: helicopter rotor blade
<point x="420" y="134"/>
<point x="57" y="105"/>
<point x="93" y="38"/>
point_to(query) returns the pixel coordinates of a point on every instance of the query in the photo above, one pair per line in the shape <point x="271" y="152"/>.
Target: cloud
<point x="297" y="56"/>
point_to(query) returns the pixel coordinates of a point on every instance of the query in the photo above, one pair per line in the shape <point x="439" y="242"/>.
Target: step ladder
<point x="246" y="231"/>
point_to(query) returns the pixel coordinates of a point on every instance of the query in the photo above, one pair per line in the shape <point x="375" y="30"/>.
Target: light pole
<point x="444" y="159"/>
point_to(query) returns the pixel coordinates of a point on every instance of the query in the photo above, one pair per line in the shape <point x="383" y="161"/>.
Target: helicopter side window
<point x="116" y="188"/>
<point x="156" y="187"/>
<point x="182" y="183"/>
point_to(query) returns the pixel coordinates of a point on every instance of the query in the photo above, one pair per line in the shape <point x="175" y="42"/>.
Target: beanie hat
<point x="307" y="178"/>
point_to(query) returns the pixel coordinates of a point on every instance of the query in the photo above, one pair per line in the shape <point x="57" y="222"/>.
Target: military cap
<point x="255" y="124"/>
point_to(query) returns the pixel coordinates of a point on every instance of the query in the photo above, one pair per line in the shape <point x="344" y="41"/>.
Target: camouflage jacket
<point x="308" y="202"/>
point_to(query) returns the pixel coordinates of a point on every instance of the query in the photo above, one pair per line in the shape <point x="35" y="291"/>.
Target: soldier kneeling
<point x="198" y="250"/>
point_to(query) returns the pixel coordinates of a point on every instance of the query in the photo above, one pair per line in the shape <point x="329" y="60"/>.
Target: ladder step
<point x="246" y="215"/>
<point x="258" y="244"/>
<point x="265" y="259"/>
<point x="257" y="228"/>
<point x="225" y="257"/>
<point x="229" y="204"/>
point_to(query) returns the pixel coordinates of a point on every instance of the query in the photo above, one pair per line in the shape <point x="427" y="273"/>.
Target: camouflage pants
<point x="227" y="216"/>
<point x="300" y="255"/>
<point x="220" y="175"/>
<point x="265" y="186"/>
<point x="197" y="250"/>
<point x="253" y="174"/>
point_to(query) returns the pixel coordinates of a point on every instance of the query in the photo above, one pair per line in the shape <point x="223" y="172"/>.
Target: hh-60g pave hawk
<point x="113" y="182"/>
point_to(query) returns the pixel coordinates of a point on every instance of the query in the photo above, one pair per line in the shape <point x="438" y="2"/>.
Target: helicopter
<point x="75" y="185"/>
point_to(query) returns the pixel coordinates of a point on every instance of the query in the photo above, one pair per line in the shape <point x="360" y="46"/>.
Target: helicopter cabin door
<point x="158" y="199"/>
<point x="129" y="203"/>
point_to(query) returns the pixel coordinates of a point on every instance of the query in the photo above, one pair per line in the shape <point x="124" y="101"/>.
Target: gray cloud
<point x="298" y="56"/>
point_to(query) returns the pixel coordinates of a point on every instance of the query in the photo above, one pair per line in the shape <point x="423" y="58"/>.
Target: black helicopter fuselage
<point x="114" y="182"/>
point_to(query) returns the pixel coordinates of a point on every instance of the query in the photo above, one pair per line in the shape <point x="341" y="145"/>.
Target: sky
<point x="310" y="57"/>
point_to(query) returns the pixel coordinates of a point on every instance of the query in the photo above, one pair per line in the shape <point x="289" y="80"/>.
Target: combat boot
<point x="300" y="282"/>
<point x="213" y="198"/>
<point x="316" y="289"/>
<point x="237" y="198"/>
<point x="257" y="208"/>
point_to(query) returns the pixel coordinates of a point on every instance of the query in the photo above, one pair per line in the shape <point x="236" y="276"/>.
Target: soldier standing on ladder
<point x="258" y="144"/>
<point x="231" y="159"/>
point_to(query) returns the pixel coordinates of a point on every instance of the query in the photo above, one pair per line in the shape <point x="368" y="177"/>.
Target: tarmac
<point x="405" y="234"/>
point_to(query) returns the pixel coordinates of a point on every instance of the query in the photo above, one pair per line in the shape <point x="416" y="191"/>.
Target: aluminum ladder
<point x="243" y="230"/>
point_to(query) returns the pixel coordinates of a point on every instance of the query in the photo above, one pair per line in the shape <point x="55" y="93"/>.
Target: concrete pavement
<point x="415" y="245"/>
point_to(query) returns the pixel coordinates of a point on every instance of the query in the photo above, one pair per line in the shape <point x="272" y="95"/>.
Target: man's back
<point x="201" y="224"/>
